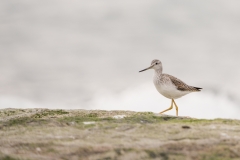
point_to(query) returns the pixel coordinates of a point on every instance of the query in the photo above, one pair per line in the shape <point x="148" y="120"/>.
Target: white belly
<point x="170" y="91"/>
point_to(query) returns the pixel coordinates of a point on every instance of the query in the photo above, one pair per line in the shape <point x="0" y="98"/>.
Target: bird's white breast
<point x="167" y="88"/>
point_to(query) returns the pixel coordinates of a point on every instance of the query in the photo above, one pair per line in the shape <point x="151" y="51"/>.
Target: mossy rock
<point x="97" y="134"/>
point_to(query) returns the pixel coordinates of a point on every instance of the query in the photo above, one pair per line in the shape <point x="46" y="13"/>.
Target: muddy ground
<point x="114" y="135"/>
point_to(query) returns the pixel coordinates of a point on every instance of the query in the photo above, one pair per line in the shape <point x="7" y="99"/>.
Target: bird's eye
<point x="156" y="63"/>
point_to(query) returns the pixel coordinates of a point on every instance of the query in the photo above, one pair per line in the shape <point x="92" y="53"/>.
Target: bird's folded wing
<point x="181" y="85"/>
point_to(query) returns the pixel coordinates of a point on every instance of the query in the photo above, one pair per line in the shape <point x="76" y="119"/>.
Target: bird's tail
<point x="197" y="88"/>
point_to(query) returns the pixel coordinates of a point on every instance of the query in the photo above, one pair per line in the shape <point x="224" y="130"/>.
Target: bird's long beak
<point x="146" y="68"/>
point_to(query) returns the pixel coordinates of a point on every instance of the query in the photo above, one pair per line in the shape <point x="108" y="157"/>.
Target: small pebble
<point x="186" y="127"/>
<point x="92" y="122"/>
<point x="38" y="149"/>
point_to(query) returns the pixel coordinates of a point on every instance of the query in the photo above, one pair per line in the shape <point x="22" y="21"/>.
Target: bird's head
<point x="156" y="65"/>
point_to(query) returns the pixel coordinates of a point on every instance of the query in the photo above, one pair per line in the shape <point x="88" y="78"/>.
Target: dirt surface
<point x="114" y="135"/>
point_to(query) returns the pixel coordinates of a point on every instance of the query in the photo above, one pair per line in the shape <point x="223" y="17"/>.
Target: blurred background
<point x="87" y="54"/>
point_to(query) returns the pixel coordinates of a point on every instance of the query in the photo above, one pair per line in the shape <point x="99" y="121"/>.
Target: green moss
<point x="8" y="113"/>
<point x="85" y="118"/>
<point x="50" y="113"/>
<point x="155" y="154"/>
<point x="122" y="151"/>
<point x="92" y="115"/>
<point x="8" y="158"/>
<point x="89" y="125"/>
<point x="33" y="146"/>
<point x="140" y="117"/>
<point x="23" y="121"/>
<point x="118" y="151"/>
<point x="51" y="150"/>
<point x="106" y="158"/>
<point x="193" y="121"/>
<point x="146" y="117"/>
<point x="78" y="119"/>
<point x="228" y="121"/>
<point x="128" y="149"/>
<point x="221" y="152"/>
<point x="151" y="153"/>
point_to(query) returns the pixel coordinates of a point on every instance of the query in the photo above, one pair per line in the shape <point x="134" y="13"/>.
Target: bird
<point x="169" y="86"/>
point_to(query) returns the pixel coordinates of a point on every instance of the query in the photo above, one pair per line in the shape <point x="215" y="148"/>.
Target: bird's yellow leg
<point x="176" y="107"/>
<point x="168" y="108"/>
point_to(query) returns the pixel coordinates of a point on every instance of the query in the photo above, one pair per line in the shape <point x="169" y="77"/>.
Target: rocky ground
<point x="45" y="134"/>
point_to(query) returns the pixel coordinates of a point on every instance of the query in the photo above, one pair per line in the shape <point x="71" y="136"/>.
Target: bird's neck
<point x="158" y="71"/>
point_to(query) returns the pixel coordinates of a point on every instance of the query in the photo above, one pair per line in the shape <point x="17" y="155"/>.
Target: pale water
<point x="61" y="54"/>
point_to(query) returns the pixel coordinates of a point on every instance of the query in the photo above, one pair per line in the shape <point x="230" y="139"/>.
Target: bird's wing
<point x="181" y="85"/>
